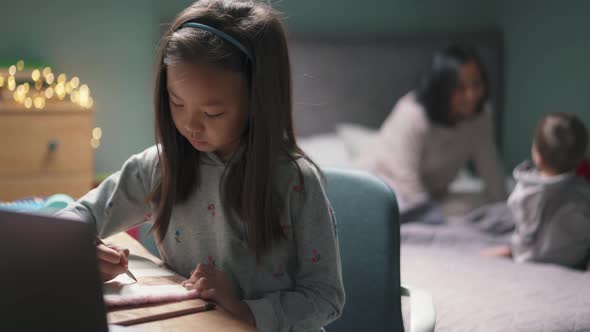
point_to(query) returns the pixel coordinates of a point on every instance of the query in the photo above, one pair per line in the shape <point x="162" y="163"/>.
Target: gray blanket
<point x="474" y="293"/>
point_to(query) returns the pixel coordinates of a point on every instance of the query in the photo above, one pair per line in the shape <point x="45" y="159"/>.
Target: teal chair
<point x="368" y="231"/>
<point x="367" y="219"/>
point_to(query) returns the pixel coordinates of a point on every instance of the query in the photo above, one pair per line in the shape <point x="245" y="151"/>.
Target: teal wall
<point x="110" y="50"/>
<point x="548" y="66"/>
<point x="111" y="46"/>
<point x="385" y="16"/>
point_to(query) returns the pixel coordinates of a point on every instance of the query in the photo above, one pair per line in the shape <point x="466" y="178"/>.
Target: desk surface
<point x="213" y="320"/>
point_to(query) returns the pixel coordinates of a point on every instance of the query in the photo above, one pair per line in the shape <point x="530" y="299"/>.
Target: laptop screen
<point x="49" y="274"/>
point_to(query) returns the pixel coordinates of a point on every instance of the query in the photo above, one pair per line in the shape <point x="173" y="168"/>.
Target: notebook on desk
<point x="155" y="284"/>
<point x="157" y="294"/>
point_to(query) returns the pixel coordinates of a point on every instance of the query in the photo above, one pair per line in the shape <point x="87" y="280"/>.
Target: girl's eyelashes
<point x="210" y="115"/>
<point x="207" y="114"/>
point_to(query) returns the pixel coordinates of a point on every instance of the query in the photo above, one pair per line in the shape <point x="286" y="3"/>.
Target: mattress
<point x="475" y="293"/>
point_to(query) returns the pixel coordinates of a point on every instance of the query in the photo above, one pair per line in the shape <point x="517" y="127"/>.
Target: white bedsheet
<point x="342" y="146"/>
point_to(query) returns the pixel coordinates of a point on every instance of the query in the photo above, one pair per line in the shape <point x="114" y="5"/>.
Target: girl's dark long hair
<point x="437" y="85"/>
<point x="248" y="185"/>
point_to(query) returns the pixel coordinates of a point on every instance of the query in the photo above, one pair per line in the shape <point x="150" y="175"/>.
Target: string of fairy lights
<point x="43" y="87"/>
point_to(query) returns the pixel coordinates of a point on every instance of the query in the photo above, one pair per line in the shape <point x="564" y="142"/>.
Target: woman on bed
<point x="434" y="131"/>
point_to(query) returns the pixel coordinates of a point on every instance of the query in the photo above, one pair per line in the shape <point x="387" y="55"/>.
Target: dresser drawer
<point x="46" y="143"/>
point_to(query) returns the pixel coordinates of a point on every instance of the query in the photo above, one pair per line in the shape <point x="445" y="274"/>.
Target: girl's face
<point x="209" y="106"/>
<point x="467" y="95"/>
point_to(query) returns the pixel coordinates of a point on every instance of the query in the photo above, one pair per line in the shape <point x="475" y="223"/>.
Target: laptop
<point x="49" y="279"/>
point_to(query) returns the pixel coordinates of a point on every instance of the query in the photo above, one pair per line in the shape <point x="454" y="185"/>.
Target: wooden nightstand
<point x="44" y="152"/>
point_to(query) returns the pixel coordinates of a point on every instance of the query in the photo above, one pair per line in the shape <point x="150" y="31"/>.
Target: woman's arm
<point x="399" y="153"/>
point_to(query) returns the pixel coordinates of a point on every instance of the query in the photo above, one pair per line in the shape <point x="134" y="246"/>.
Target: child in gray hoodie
<point x="550" y="204"/>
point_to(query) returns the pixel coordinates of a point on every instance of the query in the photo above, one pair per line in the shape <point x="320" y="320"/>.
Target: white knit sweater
<point x="419" y="159"/>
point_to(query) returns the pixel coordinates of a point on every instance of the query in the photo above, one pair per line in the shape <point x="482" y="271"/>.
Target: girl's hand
<point x="212" y="284"/>
<point x="112" y="260"/>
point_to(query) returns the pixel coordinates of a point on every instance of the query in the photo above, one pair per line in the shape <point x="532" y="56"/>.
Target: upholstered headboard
<point x="358" y="80"/>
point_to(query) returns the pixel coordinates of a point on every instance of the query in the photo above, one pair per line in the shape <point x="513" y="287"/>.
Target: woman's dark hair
<point x="437" y="85"/>
<point x="249" y="184"/>
<point x="561" y="140"/>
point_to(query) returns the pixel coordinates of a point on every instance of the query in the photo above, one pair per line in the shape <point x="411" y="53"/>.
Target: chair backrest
<point x="367" y="220"/>
<point x="368" y="232"/>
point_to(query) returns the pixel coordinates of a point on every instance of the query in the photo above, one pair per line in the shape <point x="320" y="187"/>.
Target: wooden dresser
<point x="44" y="152"/>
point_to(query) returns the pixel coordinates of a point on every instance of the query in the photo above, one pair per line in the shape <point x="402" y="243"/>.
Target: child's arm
<point x="119" y="202"/>
<point x="526" y="209"/>
<point x="317" y="295"/>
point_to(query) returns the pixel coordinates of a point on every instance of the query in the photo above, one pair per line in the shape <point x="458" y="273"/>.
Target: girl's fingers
<point x="199" y="285"/>
<point x="124" y="254"/>
<point x="110" y="271"/>
<point x="199" y="272"/>
<point x="193" y="279"/>
<point x="112" y="261"/>
<point x="202" y="284"/>
<point x="203" y="268"/>
<point x="209" y="293"/>
<point x="107" y="254"/>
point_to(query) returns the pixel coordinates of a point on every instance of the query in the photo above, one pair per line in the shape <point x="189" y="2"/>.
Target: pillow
<point x="326" y="150"/>
<point x="356" y="137"/>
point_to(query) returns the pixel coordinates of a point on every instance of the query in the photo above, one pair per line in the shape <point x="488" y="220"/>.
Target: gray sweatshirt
<point x="296" y="287"/>
<point x="419" y="159"/>
<point x="552" y="216"/>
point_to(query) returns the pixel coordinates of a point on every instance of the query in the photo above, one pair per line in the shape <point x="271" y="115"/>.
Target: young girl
<point x="236" y="206"/>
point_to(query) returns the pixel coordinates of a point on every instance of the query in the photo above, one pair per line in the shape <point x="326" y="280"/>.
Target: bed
<point x="475" y="293"/>
<point x="343" y="90"/>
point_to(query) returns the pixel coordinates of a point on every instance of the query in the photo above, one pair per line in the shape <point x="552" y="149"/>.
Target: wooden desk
<point x="213" y="320"/>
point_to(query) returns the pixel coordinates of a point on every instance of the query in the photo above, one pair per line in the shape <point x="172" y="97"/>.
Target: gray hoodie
<point x="552" y="216"/>
<point x="295" y="287"/>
